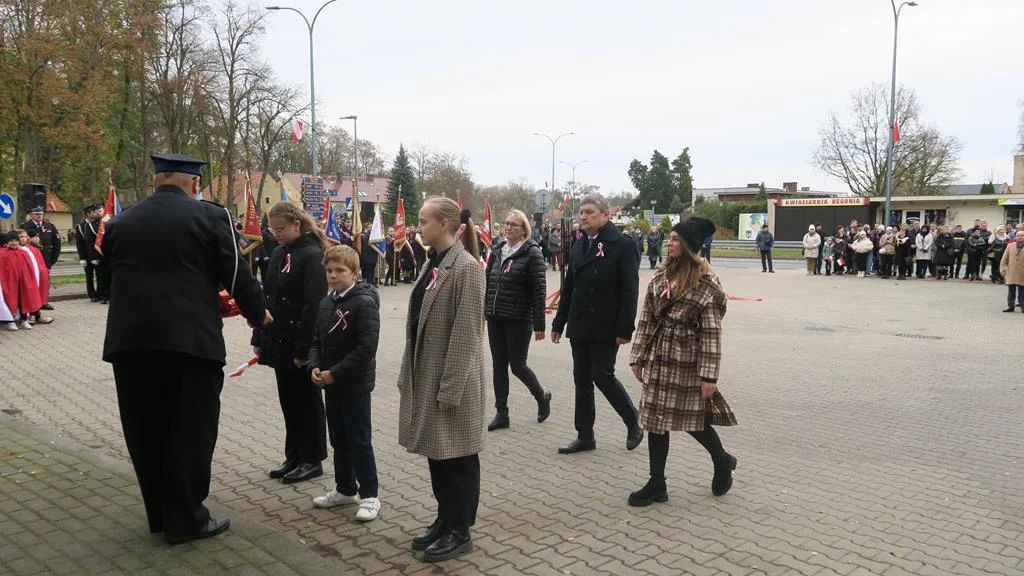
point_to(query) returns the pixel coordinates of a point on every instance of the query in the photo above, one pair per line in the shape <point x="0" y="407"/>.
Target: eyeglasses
<point x="513" y="224"/>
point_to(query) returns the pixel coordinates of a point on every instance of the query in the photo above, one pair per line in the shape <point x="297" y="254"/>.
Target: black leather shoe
<point x="500" y="421"/>
<point x="286" y="467"/>
<point x="433" y="534"/>
<point x="1010" y="309"/>
<point x="213" y="527"/>
<point x="47" y="307"/>
<point x="303" y="472"/>
<point x="653" y="491"/>
<point x="723" y="476"/>
<point x="453" y="543"/>
<point x="578" y="445"/>
<point x="544" y="407"/>
<point x="634" y="436"/>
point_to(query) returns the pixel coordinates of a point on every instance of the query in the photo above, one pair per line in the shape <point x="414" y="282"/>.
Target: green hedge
<point x="727" y="214"/>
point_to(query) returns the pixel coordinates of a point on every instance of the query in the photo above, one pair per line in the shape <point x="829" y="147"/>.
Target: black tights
<point x="657" y="446"/>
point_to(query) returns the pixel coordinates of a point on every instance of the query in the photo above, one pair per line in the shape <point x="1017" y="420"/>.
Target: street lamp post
<point x="892" y="109"/>
<point x="553" y="141"/>
<point x="312" y="85"/>
<point x="572" y="205"/>
<point x="355" y="157"/>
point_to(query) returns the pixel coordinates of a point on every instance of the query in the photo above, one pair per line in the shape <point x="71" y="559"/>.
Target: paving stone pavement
<point x="880" y="433"/>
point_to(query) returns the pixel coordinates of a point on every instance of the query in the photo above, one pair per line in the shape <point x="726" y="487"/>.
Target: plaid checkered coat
<point x="447" y="365"/>
<point x="679" y="343"/>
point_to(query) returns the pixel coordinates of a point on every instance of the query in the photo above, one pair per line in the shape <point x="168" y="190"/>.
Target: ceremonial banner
<point x="332" y="230"/>
<point x="110" y="209"/>
<point x="252" y="232"/>
<point x="297" y="131"/>
<point x="357" y="220"/>
<point x="399" y="227"/>
<point x="377" y="239"/>
<point x="485" y="231"/>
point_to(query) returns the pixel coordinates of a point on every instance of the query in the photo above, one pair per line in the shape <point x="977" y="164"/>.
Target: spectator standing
<point x="654" y="242"/>
<point x="821" y="247"/>
<point x="555" y="247"/>
<point x="811" y="244"/>
<point x="839" y="246"/>
<point x="828" y="254"/>
<point x="925" y="239"/>
<point x="705" y="251"/>
<point x="997" y="246"/>
<point x="862" y="247"/>
<point x="765" y="241"/>
<point x="959" y="248"/>
<point x="943" y="256"/>
<point x="986" y="234"/>
<point x="976" y="248"/>
<point x="903" y="253"/>
<point x="886" y="252"/>
<point x="1012" y="268"/>
<point x="88" y="257"/>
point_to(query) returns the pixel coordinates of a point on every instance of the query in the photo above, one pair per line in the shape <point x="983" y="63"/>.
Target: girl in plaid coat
<point x="677" y="350"/>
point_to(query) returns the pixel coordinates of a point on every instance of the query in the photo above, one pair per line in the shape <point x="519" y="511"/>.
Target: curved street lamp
<point x="572" y="206"/>
<point x="553" y="141"/>
<point x="892" y="109"/>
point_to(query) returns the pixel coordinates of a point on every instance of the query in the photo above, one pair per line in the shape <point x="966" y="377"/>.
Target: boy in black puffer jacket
<point x="342" y="361"/>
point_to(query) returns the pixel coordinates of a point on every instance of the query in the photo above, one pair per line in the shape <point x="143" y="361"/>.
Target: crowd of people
<point x="26" y="256"/>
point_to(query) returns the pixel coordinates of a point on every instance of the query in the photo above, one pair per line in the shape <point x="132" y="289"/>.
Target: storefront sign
<point x="1011" y="201"/>
<point x="852" y="201"/>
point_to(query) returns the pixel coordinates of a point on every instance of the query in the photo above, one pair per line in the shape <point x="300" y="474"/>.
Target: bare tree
<point x="420" y="155"/>
<point x="854" y="149"/>
<point x="272" y="116"/>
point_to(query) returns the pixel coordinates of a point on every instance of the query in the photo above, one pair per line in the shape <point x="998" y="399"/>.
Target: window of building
<point x="935" y="216"/>
<point x="1014" y="215"/>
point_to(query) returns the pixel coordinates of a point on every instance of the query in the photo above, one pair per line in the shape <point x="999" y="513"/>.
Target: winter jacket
<point x="863" y="245"/>
<point x="996" y="246"/>
<point x="812" y="242"/>
<point x="516" y="287"/>
<point x="976" y="245"/>
<point x="960" y="240"/>
<point x="346" y="337"/>
<point x="295" y="284"/>
<point x="1011" y="265"/>
<point x="654" y="242"/>
<point x="924" y="245"/>
<point x="764" y="241"/>
<point x="887" y="243"/>
<point x="943" y="250"/>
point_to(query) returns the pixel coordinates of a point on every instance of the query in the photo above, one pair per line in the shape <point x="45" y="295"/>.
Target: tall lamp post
<point x="572" y="205"/>
<point x="892" y="109"/>
<point x="312" y="85"/>
<point x="553" y="141"/>
<point x="355" y="157"/>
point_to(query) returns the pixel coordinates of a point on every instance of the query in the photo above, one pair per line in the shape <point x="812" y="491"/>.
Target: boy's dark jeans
<point x="348" y="421"/>
<point x="766" y="261"/>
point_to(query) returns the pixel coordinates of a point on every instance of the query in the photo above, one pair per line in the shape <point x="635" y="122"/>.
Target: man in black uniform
<point x="598" y="301"/>
<point x="88" y="257"/>
<point x="165" y="343"/>
<point x="49" y="238"/>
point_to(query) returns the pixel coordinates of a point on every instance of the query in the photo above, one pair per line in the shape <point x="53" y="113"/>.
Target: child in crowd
<point x="29" y="241"/>
<point x="20" y="291"/>
<point x="342" y="361"/>
<point x="828" y="253"/>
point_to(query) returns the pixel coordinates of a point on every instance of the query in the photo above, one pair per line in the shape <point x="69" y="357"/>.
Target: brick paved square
<point x="879" y="433"/>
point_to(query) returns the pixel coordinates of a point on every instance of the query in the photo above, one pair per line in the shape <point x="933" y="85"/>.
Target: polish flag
<point x="297" y="131"/>
<point x="895" y="132"/>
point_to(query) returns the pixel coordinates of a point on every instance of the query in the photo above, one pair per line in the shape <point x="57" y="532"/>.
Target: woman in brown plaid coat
<point x="676" y="353"/>
<point x="441" y="382"/>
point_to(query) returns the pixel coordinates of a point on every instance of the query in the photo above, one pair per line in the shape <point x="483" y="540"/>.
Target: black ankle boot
<point x="544" y="407"/>
<point x="722" y="481"/>
<point x="653" y="491"/>
<point x="500" y="421"/>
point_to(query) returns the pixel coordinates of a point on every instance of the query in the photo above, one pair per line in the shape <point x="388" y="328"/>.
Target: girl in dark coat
<point x="943" y="255"/>
<point x="294" y="286"/>
<point x="515" y="302"/>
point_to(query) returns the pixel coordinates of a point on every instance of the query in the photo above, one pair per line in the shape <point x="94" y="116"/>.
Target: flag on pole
<point x="332" y="230"/>
<point x="895" y="132"/>
<point x="297" y="131"/>
<point x="357" y="222"/>
<point x="485" y="226"/>
<point x="377" y="239"/>
<point x="459" y="200"/>
<point x="110" y="209"/>
<point x="251" y="228"/>
<point x="399" y="227"/>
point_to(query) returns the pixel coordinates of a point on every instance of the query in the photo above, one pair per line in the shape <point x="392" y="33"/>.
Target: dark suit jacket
<point x="49" y="240"/>
<point x="599" y="297"/>
<point x="169" y="255"/>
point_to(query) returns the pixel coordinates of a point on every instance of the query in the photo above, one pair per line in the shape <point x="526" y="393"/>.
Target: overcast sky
<point x="745" y="84"/>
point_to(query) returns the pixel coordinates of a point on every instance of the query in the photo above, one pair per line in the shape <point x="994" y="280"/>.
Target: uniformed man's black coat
<point x="49" y="239"/>
<point x="292" y="297"/>
<point x="599" y="297"/>
<point x="169" y="255"/>
<point x="85" y="240"/>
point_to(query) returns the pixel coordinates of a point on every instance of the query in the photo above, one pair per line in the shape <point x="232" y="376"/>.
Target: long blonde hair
<point x="448" y="209"/>
<point x="684" y="272"/>
<point x="293" y="214"/>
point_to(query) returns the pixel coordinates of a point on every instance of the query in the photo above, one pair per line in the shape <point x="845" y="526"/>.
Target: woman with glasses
<point x="515" y="302"/>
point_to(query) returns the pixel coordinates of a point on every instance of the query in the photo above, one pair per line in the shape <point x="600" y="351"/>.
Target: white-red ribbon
<point x="433" y="281"/>
<point x="287" y="264"/>
<point x="667" y="292"/>
<point x="241" y="369"/>
<point x="341" y="320"/>
<point x="600" y="249"/>
<point x="507" y="268"/>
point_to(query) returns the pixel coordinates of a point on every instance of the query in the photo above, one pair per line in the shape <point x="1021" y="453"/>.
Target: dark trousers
<point x="305" y="424"/>
<point x="261" y="267"/>
<point x="817" y="264"/>
<point x="90" y="282"/>
<point x="456" y="485"/>
<point x="973" y="265"/>
<point x="996" y="275"/>
<point x="593" y="363"/>
<point x="983" y="263"/>
<point x="705" y="253"/>
<point x="958" y="260"/>
<point x="103" y="279"/>
<point x="1012" y="291"/>
<point x="369" y="272"/>
<point x="654" y="260"/>
<point x="828" y="268"/>
<point x="904" y="265"/>
<point x="348" y="420"/>
<point x="923" y="266"/>
<point x="766" y="261"/>
<point x="861" y="261"/>
<point x="170" y="409"/>
<point x="510" y="344"/>
<point x="886" y="270"/>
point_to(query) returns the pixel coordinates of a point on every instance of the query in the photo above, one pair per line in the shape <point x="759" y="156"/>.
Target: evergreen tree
<point x="988" y="188"/>
<point x="402" y="181"/>
<point x="677" y="206"/>
<point x="762" y="193"/>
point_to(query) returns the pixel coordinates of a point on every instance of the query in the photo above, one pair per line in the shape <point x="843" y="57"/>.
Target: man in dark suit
<point x="49" y="238"/>
<point x="602" y="281"/>
<point x="88" y="257"/>
<point x="165" y="343"/>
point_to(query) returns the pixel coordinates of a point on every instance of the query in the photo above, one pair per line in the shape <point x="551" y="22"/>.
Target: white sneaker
<point x="368" y="509"/>
<point x="25" y="325"/>
<point x="13" y="327"/>
<point x="335" y="498"/>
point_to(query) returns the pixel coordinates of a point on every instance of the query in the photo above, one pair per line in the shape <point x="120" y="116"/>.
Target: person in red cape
<point x="21" y="294"/>
<point x="30" y="244"/>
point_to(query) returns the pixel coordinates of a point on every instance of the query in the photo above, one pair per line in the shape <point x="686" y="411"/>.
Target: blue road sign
<point x="6" y="207"/>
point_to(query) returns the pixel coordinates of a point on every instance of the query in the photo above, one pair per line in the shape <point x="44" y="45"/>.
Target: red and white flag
<point x="485" y="226"/>
<point x="110" y="209"/>
<point x="895" y="132"/>
<point x="297" y="131"/>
